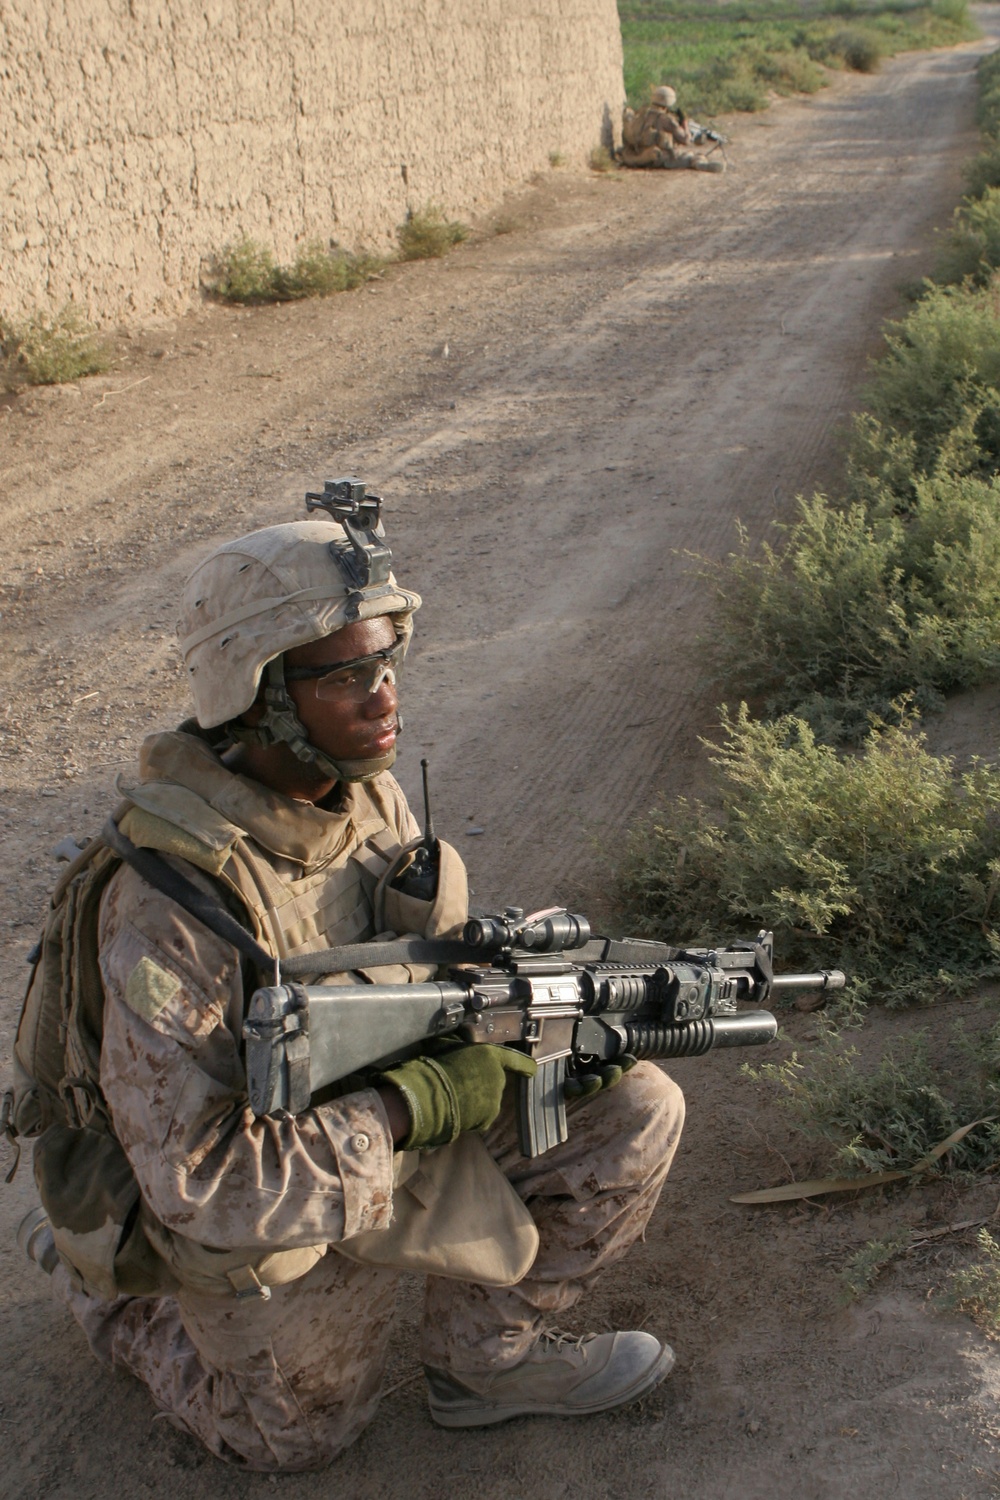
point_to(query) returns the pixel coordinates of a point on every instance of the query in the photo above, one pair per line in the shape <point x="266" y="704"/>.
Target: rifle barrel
<point x="826" y="979"/>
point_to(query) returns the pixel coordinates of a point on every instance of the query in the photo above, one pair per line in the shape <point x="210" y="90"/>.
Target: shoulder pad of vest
<point x="205" y="849"/>
<point x="186" y="810"/>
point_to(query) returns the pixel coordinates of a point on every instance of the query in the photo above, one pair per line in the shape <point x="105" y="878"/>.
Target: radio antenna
<point x="429" y="839"/>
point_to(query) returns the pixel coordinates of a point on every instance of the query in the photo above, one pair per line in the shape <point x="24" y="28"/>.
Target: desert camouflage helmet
<point x="665" y="97"/>
<point x="257" y="597"/>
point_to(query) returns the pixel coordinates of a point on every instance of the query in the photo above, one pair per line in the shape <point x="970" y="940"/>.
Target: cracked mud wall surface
<point x="137" y="137"/>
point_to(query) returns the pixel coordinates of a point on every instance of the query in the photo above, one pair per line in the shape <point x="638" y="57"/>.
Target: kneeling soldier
<point x="245" y="1268"/>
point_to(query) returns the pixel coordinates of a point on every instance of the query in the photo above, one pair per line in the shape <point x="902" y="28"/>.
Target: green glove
<point x="461" y="1089"/>
<point x="585" y="1085"/>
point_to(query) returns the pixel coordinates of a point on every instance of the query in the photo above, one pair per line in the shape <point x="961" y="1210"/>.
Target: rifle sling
<point x="218" y="919"/>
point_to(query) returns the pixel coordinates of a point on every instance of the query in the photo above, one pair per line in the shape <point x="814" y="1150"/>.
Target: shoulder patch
<point x="149" y="988"/>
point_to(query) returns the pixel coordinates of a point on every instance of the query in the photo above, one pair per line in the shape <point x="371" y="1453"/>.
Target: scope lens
<point x="555" y="933"/>
<point x="485" y="932"/>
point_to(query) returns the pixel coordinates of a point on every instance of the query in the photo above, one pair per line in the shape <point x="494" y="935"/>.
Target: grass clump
<point x="884" y="863"/>
<point x="429" y="233"/>
<point x="976" y="1289"/>
<point x="51" y="349"/>
<point x="734" y="56"/>
<point x="247" y="272"/>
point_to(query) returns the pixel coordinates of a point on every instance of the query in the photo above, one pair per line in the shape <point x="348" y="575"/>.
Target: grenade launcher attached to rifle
<point x="539" y="983"/>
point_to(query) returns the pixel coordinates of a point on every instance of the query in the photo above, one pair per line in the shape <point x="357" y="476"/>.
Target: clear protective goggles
<point x="352" y="681"/>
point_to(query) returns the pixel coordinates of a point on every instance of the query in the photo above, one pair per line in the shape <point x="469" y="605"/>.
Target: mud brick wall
<point x="139" y="136"/>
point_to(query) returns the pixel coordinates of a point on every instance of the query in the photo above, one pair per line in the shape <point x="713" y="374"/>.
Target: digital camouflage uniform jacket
<point x="171" y="1070"/>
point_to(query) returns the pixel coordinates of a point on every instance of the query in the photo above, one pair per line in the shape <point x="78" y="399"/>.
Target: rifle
<point x="702" y="133"/>
<point x="539" y="983"/>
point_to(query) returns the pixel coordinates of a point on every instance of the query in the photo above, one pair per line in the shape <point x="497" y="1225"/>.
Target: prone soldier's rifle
<point x="701" y="133"/>
<point x="539" y="983"/>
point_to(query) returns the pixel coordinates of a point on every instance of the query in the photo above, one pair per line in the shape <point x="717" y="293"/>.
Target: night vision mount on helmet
<point x="366" y="558"/>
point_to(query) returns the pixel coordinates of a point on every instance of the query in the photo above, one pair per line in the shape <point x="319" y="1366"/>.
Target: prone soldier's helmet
<point x="257" y="597"/>
<point x="664" y="97"/>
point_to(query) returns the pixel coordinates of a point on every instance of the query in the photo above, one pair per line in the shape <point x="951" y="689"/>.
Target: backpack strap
<point x="170" y="882"/>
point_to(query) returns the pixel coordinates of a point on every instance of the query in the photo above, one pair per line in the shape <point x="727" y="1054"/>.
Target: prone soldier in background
<point x="655" y="135"/>
<point x="244" y="1268"/>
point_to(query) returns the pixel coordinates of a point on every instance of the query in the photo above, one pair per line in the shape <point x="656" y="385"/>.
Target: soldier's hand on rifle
<point x="585" y="1085"/>
<point x="460" y="1088"/>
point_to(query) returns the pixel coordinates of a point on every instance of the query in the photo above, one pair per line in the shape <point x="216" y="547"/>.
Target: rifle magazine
<point x="541" y="1108"/>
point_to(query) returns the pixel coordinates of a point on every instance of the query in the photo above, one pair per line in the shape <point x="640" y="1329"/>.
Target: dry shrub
<point x="601" y="160"/>
<point x="50" y="349"/>
<point x="855" y="49"/>
<point x="246" y="272"/>
<point x="429" y="233"/>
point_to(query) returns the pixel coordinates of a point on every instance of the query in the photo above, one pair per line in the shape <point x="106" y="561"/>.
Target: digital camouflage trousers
<point x="287" y="1384"/>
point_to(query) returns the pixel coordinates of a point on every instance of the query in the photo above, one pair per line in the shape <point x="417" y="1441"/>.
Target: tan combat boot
<point x="563" y="1375"/>
<point x="36" y="1241"/>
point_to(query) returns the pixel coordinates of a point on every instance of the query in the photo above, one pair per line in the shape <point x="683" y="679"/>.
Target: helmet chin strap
<point x="280" y="724"/>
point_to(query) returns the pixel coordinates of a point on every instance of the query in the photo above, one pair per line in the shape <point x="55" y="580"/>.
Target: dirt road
<point x="612" y="371"/>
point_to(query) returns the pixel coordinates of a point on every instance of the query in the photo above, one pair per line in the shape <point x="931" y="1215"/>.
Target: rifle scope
<point x="548" y="932"/>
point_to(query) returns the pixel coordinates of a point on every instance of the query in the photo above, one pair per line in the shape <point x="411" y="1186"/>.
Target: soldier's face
<point x="346" y="726"/>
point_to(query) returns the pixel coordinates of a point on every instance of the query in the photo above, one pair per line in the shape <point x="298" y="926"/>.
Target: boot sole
<point x="476" y="1413"/>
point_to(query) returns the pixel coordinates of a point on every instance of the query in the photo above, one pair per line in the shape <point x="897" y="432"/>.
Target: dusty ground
<point x="627" y="366"/>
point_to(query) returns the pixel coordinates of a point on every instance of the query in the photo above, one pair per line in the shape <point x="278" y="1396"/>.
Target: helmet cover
<point x="258" y="596"/>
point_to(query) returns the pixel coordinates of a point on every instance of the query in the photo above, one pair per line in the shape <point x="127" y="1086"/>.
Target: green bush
<point x="884" y="863"/>
<point x="942" y="365"/>
<point x="318" y="271"/>
<point x="896" y="589"/>
<point x="601" y="160"/>
<point x="866" y="1265"/>
<point x="972" y="247"/>
<point x="889" y="1115"/>
<point x="49" y="349"/>
<point x="988" y="101"/>
<point x="428" y="234"/>
<point x="861" y="604"/>
<point x="859" y="50"/>
<point x="983" y="171"/>
<point x="976" y="1289"/>
<point x="246" y="272"/>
